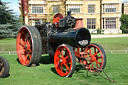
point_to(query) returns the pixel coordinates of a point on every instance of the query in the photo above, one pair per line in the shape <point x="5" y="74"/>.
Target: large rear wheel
<point x="64" y="60"/>
<point x="29" y="45"/>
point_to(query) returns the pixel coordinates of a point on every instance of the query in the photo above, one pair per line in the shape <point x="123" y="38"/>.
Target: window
<point x="91" y="8"/>
<point x="55" y="9"/>
<point x="91" y="23"/>
<point x="74" y="8"/>
<point x="109" y="23"/>
<point x="109" y="8"/>
<point x="37" y="9"/>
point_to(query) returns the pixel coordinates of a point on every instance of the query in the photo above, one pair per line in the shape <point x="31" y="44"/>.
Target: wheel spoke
<point x="92" y="66"/>
<point x="22" y="43"/>
<point x="66" y="54"/>
<point x="90" y="51"/>
<point x="94" y="50"/>
<point x="26" y="39"/>
<point x="97" y="62"/>
<point x="95" y="54"/>
<point x="23" y="33"/>
<point x="67" y="68"/>
<point x="61" y="69"/>
<point x="22" y="52"/>
<point x="62" y="54"/>
<point x="30" y="40"/>
<point x="99" y="57"/>
<point x="77" y="50"/>
<point x="26" y="57"/>
<point x="29" y="48"/>
<point x="1" y="65"/>
<point x="29" y="55"/>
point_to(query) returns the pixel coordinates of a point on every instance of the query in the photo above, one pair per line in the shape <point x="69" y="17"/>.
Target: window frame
<point x="37" y="10"/>
<point x="109" y="8"/>
<point x="57" y="11"/>
<point x="75" y="8"/>
<point x="91" y="9"/>
<point x="91" y="23"/>
<point x="109" y="23"/>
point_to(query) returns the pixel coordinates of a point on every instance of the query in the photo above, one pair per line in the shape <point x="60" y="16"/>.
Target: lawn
<point x="112" y="43"/>
<point x="9" y="44"/>
<point x="45" y="73"/>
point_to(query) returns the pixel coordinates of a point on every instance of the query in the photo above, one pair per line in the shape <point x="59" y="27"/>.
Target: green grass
<point x="112" y="43"/>
<point x="45" y="73"/>
<point x="8" y="44"/>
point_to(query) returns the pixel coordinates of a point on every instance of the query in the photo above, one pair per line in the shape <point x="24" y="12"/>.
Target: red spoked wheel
<point x="64" y="60"/>
<point x="93" y="57"/>
<point x="4" y="67"/>
<point x="29" y="45"/>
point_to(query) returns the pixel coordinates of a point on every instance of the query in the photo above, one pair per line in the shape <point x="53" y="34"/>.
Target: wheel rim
<point x="24" y="46"/>
<point x="91" y="57"/>
<point x="95" y="57"/>
<point x="1" y="68"/>
<point x="63" y="61"/>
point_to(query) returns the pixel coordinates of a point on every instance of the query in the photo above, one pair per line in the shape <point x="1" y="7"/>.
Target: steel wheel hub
<point x="26" y="46"/>
<point x="60" y="61"/>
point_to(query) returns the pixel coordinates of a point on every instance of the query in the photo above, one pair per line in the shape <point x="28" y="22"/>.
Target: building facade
<point x="96" y="14"/>
<point x="125" y="7"/>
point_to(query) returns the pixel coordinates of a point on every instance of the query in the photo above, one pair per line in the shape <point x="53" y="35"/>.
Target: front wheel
<point x="64" y="60"/>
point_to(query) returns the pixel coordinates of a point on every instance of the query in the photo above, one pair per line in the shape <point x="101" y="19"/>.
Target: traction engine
<point x="65" y="40"/>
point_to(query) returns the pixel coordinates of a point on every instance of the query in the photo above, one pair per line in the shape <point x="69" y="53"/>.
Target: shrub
<point x="124" y="23"/>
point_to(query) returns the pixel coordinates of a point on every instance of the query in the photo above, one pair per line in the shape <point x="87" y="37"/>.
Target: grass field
<point x="120" y="43"/>
<point x="9" y="44"/>
<point x="45" y="74"/>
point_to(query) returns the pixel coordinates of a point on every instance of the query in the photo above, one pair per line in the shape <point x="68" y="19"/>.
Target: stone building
<point x="125" y="7"/>
<point x="96" y="14"/>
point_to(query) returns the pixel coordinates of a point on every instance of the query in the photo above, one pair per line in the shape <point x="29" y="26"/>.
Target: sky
<point x="15" y="6"/>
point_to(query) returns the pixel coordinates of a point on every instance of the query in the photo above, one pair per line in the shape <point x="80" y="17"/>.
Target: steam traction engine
<point x="65" y="40"/>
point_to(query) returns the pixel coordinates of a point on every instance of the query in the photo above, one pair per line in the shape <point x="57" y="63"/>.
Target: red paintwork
<point x="63" y="59"/>
<point x="24" y="46"/>
<point x="79" y="23"/>
<point x="56" y="19"/>
<point x="92" y="55"/>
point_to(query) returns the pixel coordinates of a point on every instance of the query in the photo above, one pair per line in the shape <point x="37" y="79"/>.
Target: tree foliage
<point x="124" y="23"/>
<point x="8" y="21"/>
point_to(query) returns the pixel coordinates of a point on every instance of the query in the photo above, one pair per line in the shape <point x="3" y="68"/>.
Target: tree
<point x="8" y="21"/>
<point x="124" y="23"/>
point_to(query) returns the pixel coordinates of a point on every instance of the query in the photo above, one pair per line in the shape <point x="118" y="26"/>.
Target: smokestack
<point x="79" y="23"/>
